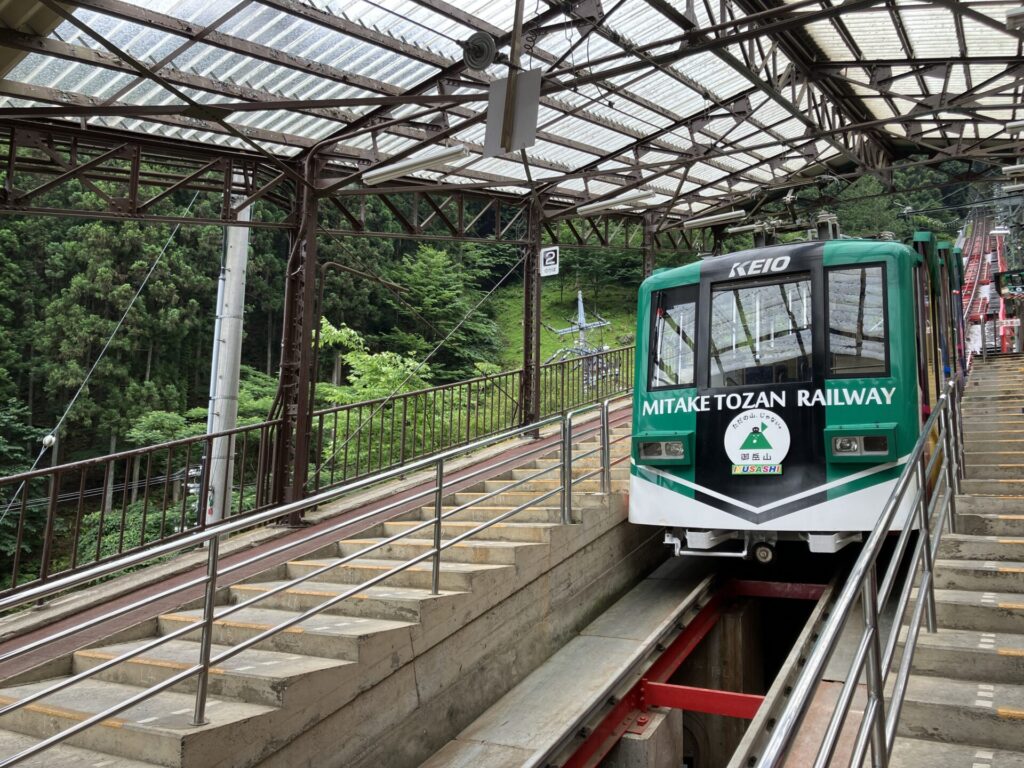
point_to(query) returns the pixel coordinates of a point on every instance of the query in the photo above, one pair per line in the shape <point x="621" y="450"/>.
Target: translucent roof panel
<point x="709" y="107"/>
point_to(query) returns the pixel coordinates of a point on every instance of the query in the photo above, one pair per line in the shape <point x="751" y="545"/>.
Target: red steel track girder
<point x="776" y="589"/>
<point x="622" y="716"/>
<point x="707" y="700"/>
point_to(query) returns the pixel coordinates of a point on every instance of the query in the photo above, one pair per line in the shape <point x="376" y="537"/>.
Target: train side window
<point x="673" y="338"/>
<point x="857" y="334"/>
<point x="760" y="332"/>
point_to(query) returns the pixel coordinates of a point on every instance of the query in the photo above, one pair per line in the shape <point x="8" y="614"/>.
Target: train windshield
<point x="760" y="332"/>
<point x="856" y="321"/>
<point x="672" y="351"/>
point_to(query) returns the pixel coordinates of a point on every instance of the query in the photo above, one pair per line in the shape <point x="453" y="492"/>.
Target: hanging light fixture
<point x="630" y="198"/>
<point x="726" y="217"/>
<point x="422" y="163"/>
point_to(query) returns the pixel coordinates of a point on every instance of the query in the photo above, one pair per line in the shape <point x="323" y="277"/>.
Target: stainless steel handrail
<point x="212" y="535"/>
<point x="933" y="509"/>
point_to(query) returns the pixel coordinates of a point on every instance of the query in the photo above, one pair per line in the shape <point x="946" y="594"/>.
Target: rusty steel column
<point x="648" y="244"/>
<point x="297" y="383"/>
<point x="529" y="393"/>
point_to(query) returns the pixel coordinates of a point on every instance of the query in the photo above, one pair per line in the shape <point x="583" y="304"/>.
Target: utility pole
<point x="224" y="369"/>
<point x="529" y="396"/>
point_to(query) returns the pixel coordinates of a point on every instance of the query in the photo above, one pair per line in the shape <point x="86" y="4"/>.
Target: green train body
<point x="779" y="391"/>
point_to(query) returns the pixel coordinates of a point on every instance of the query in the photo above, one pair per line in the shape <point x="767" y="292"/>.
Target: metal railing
<point x="932" y="477"/>
<point x="562" y="440"/>
<point x="359" y="439"/>
<point x="68" y="517"/>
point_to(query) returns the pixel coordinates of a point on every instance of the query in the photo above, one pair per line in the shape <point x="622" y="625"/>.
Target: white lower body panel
<point x="652" y="504"/>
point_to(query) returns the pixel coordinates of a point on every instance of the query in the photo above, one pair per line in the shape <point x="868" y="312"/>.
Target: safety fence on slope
<point x="62" y="519"/>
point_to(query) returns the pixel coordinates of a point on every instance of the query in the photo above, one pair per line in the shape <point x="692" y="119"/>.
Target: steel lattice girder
<point x="809" y="91"/>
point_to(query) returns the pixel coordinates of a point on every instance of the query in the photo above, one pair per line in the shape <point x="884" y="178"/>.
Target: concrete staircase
<point x="300" y="681"/>
<point x="965" y="701"/>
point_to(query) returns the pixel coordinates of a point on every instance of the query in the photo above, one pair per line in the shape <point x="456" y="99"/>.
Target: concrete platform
<point x="65" y="757"/>
<point x="964" y="711"/>
<point x="534" y="717"/>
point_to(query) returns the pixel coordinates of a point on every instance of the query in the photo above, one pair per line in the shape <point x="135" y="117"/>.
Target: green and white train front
<point x="776" y="395"/>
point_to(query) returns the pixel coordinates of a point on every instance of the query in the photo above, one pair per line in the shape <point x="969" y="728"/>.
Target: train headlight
<point x="668" y="449"/>
<point x="865" y="443"/>
<point x="846" y="445"/>
<point x="673" y="448"/>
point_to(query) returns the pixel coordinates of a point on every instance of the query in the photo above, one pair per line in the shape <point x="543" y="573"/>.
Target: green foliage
<point x="617" y="304"/>
<point x="114" y="538"/>
<point x="17" y="438"/>
<point x="156" y="427"/>
<point x="443" y="294"/>
<point x="370" y="375"/>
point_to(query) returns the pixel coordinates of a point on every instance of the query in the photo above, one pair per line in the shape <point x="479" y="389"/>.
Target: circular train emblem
<point x="756" y="442"/>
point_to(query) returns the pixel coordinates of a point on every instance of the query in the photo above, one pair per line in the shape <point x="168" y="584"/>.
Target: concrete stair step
<point x="996" y="443"/>
<point x="470" y="551"/>
<point x="458" y="577"/>
<point x="979" y="611"/>
<point x="985" y="575"/>
<point x="159" y="728"/>
<point x="542" y="485"/>
<point x="992" y="403"/>
<point x="1000" y="486"/>
<point x="329" y="636"/>
<point x="992" y="378"/>
<point x="992" y="368"/>
<point x="982" y="469"/>
<point x="483" y="512"/>
<point x="64" y="757"/>
<point x="391" y="603"/>
<point x="993" y="426"/>
<point x="965" y="654"/>
<point x="986" y="504"/>
<point x="922" y="753"/>
<point x="992" y="412"/>
<point x="514" y="498"/>
<point x="254" y="676"/>
<point x="971" y="547"/>
<point x="587" y="464"/>
<point x="620" y="471"/>
<point x="963" y="712"/>
<point x="1003" y="454"/>
<point x="982" y="428"/>
<point x="991" y="524"/>
<point x="505" y="531"/>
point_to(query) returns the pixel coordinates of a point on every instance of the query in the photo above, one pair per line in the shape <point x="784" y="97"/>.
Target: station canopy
<point x="702" y="104"/>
